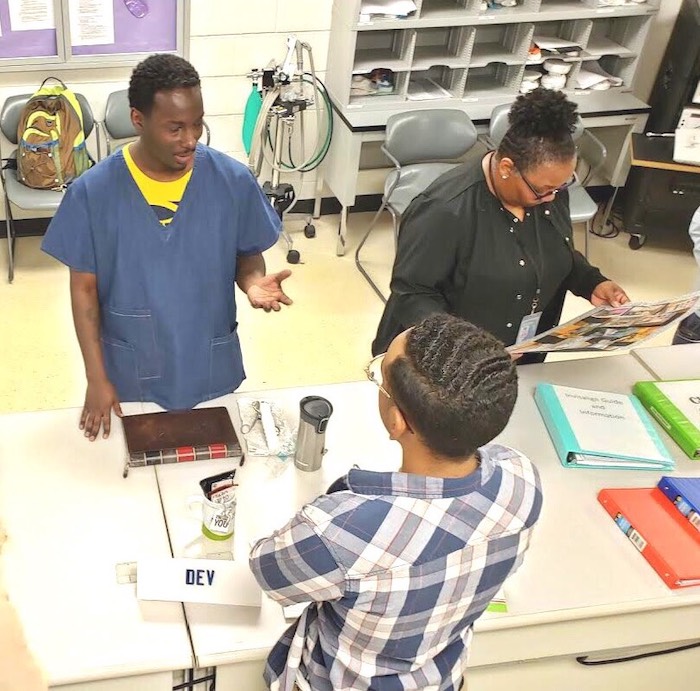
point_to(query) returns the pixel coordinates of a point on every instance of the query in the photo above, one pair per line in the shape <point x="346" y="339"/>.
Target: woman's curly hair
<point x="541" y="124"/>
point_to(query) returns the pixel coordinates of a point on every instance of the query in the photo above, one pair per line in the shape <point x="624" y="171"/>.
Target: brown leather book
<point x="179" y="436"/>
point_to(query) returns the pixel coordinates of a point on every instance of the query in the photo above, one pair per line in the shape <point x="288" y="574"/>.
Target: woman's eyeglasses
<point x="549" y="193"/>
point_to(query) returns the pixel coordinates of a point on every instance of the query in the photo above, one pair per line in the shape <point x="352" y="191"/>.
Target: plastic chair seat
<point x="413" y="177"/>
<point x="582" y="208"/>
<point x="28" y="198"/>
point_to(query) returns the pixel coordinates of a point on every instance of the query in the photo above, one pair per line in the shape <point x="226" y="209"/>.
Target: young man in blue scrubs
<point x="155" y="236"/>
<point x="398" y="566"/>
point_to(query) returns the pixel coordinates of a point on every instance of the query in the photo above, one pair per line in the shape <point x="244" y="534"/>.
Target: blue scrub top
<point x="167" y="300"/>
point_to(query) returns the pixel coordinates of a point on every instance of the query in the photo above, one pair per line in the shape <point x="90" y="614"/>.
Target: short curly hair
<point x="456" y="385"/>
<point x="159" y="72"/>
<point x="541" y="124"/>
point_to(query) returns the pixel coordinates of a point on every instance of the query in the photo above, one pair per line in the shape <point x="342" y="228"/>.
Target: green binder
<point x="676" y="407"/>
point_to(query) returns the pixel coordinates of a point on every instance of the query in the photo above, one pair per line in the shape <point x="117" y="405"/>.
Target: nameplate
<point x="208" y="581"/>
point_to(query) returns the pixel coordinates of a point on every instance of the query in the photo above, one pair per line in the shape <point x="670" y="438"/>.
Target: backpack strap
<point x="48" y="79"/>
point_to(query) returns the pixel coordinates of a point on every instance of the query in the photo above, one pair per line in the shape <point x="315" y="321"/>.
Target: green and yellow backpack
<point x="51" y="148"/>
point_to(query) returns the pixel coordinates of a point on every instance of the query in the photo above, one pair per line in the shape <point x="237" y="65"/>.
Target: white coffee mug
<point x="217" y="518"/>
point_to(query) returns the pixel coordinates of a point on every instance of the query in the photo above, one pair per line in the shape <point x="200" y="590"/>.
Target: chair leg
<point x="585" y="240"/>
<point x="395" y="222"/>
<point x="10" y="242"/>
<point x="358" y="263"/>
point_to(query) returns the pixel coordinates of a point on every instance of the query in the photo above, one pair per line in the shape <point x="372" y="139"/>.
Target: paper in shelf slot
<point x="425" y="89"/>
<point x="558" y="46"/>
<point x="386" y="9"/>
<point x="593" y="76"/>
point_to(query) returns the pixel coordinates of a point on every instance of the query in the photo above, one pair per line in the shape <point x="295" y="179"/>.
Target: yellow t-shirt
<point x="162" y="197"/>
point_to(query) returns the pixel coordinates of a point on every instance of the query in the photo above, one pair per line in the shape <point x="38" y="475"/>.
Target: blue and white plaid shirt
<point x="398" y="568"/>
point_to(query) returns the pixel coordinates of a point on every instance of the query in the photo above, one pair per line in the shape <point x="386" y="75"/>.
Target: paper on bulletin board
<point x="31" y="15"/>
<point x="91" y="22"/>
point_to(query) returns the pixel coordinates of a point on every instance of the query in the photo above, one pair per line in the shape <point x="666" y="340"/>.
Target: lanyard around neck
<point x="538" y="269"/>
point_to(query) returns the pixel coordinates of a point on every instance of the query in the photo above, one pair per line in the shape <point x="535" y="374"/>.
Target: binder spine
<point x="556" y="422"/>
<point x="685" y="508"/>
<point x="628" y="529"/>
<point x="676" y="424"/>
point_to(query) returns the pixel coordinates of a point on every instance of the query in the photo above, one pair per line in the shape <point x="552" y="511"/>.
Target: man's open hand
<point x="266" y="292"/>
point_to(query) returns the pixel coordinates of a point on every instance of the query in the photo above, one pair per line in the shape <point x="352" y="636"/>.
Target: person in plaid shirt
<point x="398" y="566"/>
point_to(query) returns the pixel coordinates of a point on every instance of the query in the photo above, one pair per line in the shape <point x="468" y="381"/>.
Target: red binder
<point x="655" y="527"/>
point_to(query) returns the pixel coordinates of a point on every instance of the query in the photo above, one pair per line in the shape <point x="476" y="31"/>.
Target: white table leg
<point x="318" y="194"/>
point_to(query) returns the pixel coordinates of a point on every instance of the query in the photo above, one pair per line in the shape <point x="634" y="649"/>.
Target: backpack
<point x="51" y="148"/>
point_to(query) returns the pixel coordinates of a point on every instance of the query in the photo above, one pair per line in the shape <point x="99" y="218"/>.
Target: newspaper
<point x="605" y="329"/>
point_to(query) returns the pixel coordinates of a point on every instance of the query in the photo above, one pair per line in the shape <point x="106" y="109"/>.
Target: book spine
<point x="184" y="454"/>
<point x="648" y="551"/>
<point x="684" y="506"/>
<point x="677" y="425"/>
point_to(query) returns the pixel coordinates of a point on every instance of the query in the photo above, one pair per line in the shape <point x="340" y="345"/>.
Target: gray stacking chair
<point x="590" y="149"/>
<point x="17" y="194"/>
<point x="117" y="126"/>
<point x="422" y="145"/>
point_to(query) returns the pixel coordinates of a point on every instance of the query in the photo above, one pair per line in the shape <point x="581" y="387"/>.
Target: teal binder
<point x="573" y="455"/>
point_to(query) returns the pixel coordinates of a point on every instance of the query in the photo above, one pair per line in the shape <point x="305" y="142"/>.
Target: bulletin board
<point x="26" y="42"/>
<point x="74" y="33"/>
<point x="155" y="32"/>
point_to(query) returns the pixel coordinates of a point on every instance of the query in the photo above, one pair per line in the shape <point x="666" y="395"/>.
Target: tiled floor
<point x="325" y="337"/>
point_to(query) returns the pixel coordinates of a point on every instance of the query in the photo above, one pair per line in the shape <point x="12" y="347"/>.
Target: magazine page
<point x="606" y="329"/>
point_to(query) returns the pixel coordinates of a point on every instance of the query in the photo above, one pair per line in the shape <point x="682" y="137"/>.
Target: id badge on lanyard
<point x="530" y="322"/>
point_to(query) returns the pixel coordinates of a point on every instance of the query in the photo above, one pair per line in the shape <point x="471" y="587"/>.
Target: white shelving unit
<point x="452" y="80"/>
<point x="507" y="43"/>
<point x="622" y="36"/>
<point x="450" y="47"/>
<point x="391" y="50"/>
<point x="453" y="54"/>
<point x="446" y="10"/>
<point x="478" y="56"/>
<point x="492" y="79"/>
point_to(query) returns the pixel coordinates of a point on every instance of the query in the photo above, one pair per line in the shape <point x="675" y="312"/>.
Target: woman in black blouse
<point x="492" y="241"/>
